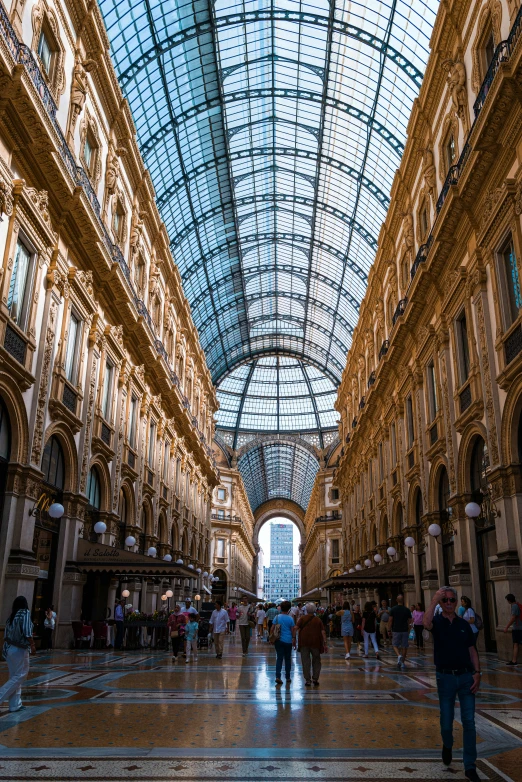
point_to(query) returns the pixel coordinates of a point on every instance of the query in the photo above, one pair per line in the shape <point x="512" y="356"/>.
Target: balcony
<point x="336" y="515"/>
<point x="421" y="256"/>
<point x="371" y="379"/>
<point x="384" y="348"/>
<point x="401" y="307"/>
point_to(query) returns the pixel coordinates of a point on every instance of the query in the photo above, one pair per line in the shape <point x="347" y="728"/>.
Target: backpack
<point x="479" y="624"/>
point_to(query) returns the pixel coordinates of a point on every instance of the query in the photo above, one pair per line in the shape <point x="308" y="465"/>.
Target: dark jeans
<point x="47" y="638"/>
<point x="177" y="644"/>
<point x="232" y="625"/>
<point x="245" y="637"/>
<point x="284" y="652"/>
<point x="419" y="640"/>
<point x="449" y="686"/>
<point x="118" y="643"/>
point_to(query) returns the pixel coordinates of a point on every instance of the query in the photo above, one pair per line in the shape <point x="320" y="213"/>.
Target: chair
<point x="100" y="630"/>
<point x="80" y="633"/>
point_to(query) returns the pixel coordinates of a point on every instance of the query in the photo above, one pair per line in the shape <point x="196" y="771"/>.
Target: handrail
<point x="23" y="55"/>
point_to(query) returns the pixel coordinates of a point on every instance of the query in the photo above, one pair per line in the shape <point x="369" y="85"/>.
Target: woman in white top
<point x="260" y="619"/>
<point x="48" y="628"/>
<point x="469" y="616"/>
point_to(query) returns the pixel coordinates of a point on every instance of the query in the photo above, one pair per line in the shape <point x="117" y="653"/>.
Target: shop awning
<point x="391" y="573"/>
<point x="246" y="592"/>
<point x="97" y="557"/>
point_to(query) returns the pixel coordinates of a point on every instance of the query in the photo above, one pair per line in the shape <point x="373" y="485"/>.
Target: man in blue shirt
<point x="516" y="621"/>
<point x="458" y="673"/>
<point x="119" y="618"/>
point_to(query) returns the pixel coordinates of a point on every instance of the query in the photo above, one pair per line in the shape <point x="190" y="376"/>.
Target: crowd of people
<point x="453" y="628"/>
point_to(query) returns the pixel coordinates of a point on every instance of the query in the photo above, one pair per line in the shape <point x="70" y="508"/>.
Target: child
<point x="191" y="637"/>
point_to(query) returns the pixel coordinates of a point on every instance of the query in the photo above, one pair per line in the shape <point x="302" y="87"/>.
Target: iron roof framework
<point x="278" y="469"/>
<point x="272" y="132"/>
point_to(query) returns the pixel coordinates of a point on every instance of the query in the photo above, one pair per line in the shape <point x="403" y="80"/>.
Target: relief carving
<point x="429" y="173"/>
<point x="119" y="453"/>
<point x="88" y="422"/>
<point x="79" y="89"/>
<point x="44" y="384"/>
<point x="6" y="198"/>
<point x="447" y="422"/>
<point x="490" y="407"/>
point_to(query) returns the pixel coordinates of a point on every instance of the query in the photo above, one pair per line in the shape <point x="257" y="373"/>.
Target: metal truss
<point x="269" y="14"/>
<point x="290" y="152"/>
<point x="148" y="145"/>
<point x="274" y="198"/>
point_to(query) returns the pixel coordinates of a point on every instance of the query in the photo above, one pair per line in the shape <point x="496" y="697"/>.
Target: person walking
<point x="270" y="616"/>
<point x="119" y="618"/>
<point x="48" y="628"/>
<point x="176" y="625"/>
<point x="311" y="643"/>
<point x="347" y="629"/>
<point x="244" y="618"/>
<point x="232" y="615"/>
<point x="285" y="642"/>
<point x="219" y="624"/>
<point x="18" y="644"/>
<point x="418" y="627"/>
<point x="260" y="620"/>
<point x="457" y="672"/>
<point x="470" y="616"/>
<point x="384" y="617"/>
<point x="357" y="627"/>
<point x="191" y="637"/>
<point x="369" y="622"/>
<point x="399" y="625"/>
<point x="516" y="621"/>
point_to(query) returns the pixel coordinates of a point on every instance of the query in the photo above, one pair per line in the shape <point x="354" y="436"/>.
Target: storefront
<point x="383" y="582"/>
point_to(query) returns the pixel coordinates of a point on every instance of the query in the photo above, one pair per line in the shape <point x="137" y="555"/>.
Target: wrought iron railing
<point x="23" y="55"/>
<point x="401" y="306"/>
<point x="421" y="255"/>
<point x="384" y="348"/>
<point x="371" y="379"/>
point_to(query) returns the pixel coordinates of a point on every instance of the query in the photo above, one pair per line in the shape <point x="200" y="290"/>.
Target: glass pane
<point x="70" y="355"/>
<point x="18" y="285"/>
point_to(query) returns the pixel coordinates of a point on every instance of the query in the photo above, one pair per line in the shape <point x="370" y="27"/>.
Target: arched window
<point x="478" y="470"/>
<point x="94" y="488"/>
<point x="5" y="433"/>
<point x="444" y="492"/>
<point x="418" y="508"/>
<point x="53" y="463"/>
<point x="122" y="513"/>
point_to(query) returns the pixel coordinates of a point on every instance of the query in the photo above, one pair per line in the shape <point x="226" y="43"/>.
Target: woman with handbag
<point x="18" y="643"/>
<point x="176" y="625"/>
<point x="283" y="637"/>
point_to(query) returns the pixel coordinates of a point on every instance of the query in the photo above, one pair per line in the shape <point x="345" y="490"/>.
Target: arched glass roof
<point x="276" y="394"/>
<point x="278" y="470"/>
<point x="272" y="131"/>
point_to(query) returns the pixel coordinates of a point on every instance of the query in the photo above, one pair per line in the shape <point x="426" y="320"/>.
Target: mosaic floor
<point x="100" y="715"/>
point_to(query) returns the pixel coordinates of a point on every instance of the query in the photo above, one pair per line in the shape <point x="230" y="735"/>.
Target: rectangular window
<point x="409" y="421"/>
<point x="71" y="352"/>
<point x="381" y="464"/>
<point x="510" y="283"/>
<point x="132" y="422"/>
<point x="87" y="152"/>
<point x="335" y="494"/>
<point x="424" y="221"/>
<point x="107" y="391"/>
<point x="166" y="459"/>
<point x="152" y="444"/>
<point x="462" y="347"/>
<point x="19" y="286"/>
<point x="221" y="494"/>
<point x="370" y="476"/>
<point x="335" y="550"/>
<point x="450" y="151"/>
<point x="220" y="548"/>
<point x="45" y="52"/>
<point x="393" y="435"/>
<point x="488" y="52"/>
<point x="432" y="390"/>
<point x="221" y="513"/>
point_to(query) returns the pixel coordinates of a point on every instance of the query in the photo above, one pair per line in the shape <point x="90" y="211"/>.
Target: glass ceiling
<point x="272" y="131"/>
<point x="278" y="470"/>
<point x="276" y="394"/>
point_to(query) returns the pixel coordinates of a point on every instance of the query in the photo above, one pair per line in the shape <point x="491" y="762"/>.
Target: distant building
<point x="297" y="580"/>
<point x="279" y="578"/>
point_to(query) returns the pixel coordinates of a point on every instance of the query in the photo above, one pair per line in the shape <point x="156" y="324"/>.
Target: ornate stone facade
<point x="441" y="424"/>
<point x="101" y="414"/>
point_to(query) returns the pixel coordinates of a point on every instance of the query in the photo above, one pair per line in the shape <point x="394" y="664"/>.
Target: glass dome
<point x="276" y="394"/>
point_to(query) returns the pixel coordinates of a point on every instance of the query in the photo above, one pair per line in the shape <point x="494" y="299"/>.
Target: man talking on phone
<point x="458" y="673"/>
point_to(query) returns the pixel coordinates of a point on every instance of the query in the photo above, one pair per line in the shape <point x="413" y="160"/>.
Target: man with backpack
<point x="516" y="621"/>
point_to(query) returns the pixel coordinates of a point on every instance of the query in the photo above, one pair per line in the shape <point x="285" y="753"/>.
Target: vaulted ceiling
<point x="272" y="131"/>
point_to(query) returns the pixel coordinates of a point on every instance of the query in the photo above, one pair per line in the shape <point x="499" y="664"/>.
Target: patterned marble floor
<point x="101" y="715"/>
